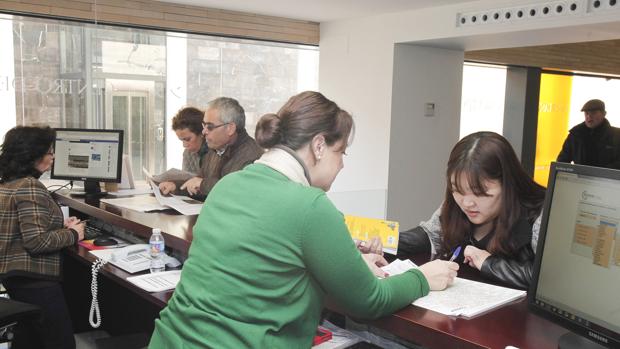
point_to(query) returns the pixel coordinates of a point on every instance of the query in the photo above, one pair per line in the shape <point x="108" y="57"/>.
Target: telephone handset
<point x="133" y="258"/>
<point x="94" y="304"/>
<point x="137" y="258"/>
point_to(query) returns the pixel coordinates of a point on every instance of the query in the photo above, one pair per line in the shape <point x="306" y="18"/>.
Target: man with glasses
<point x="230" y="146"/>
<point x="593" y="142"/>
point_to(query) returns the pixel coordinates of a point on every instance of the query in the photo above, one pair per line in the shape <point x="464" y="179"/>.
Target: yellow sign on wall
<point x="553" y="115"/>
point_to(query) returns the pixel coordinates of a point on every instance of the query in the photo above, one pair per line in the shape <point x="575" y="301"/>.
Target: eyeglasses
<point x="210" y="127"/>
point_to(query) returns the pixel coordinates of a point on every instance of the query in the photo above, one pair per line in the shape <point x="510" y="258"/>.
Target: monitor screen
<point x="88" y="155"/>
<point x="576" y="279"/>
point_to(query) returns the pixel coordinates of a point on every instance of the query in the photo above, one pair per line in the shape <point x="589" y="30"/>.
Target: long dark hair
<point x="480" y="157"/>
<point x="304" y="116"/>
<point x="23" y="146"/>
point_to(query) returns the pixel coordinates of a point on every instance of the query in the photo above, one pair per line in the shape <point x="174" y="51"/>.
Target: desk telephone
<point x="133" y="258"/>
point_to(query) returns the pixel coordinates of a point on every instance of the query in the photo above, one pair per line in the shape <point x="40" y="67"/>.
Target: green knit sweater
<point x="266" y="252"/>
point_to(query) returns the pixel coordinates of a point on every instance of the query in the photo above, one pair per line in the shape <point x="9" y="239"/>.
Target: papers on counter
<point x="464" y="297"/>
<point x="157" y="282"/>
<point x="399" y="267"/>
<point x="142" y="203"/>
<point x="468" y="298"/>
<point x="182" y="204"/>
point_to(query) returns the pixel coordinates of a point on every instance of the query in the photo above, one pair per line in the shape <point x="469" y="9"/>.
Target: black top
<point x="598" y="147"/>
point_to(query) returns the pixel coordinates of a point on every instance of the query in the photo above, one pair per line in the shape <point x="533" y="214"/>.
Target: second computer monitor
<point x="89" y="155"/>
<point x="577" y="269"/>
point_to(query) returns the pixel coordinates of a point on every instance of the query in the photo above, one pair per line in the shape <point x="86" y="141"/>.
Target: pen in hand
<point x="455" y="254"/>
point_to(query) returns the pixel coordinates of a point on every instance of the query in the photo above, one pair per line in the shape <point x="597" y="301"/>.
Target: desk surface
<point x="176" y="227"/>
<point x="512" y="324"/>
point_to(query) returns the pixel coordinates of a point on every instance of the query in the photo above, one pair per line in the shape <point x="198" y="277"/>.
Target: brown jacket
<point x="243" y="152"/>
<point x="31" y="230"/>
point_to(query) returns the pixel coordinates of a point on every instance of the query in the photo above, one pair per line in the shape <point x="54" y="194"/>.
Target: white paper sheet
<point x="157" y="282"/>
<point x="398" y="267"/>
<point x="464" y="297"/>
<point x="468" y="298"/>
<point x="183" y="204"/>
<point x="142" y="203"/>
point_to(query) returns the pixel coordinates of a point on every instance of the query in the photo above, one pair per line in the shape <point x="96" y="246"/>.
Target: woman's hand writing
<point x="439" y="274"/>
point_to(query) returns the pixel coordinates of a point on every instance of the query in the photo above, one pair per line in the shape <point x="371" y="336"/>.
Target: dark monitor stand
<point x="571" y="340"/>
<point x="93" y="189"/>
<point x="93" y="192"/>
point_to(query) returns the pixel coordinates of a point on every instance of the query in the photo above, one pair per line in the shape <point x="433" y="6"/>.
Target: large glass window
<point x="482" y="101"/>
<point x="71" y="74"/>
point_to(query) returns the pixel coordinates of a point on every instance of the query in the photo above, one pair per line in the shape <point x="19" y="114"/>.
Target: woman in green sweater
<point x="269" y="246"/>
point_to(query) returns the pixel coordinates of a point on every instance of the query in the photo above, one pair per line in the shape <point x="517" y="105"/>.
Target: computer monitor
<point x="88" y="155"/>
<point x="576" y="276"/>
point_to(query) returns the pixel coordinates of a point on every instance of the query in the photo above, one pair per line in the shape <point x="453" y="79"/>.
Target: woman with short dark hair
<point x="187" y="125"/>
<point x="32" y="232"/>
<point x="491" y="209"/>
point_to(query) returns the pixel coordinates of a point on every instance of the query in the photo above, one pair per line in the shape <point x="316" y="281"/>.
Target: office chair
<point x="12" y="312"/>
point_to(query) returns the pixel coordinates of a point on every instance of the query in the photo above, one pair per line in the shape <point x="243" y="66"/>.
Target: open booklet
<point x="182" y="204"/>
<point x="464" y="297"/>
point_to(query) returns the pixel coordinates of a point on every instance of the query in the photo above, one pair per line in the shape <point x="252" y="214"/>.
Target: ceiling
<point x="318" y="10"/>
<point x="572" y="57"/>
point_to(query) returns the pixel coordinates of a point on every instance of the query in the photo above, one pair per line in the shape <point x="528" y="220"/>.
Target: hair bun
<point x="267" y="132"/>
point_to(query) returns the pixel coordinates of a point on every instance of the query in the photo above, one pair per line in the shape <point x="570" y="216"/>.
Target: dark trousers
<point x="53" y="329"/>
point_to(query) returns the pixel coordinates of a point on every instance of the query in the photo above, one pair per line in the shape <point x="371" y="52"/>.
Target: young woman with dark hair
<point x="32" y="232"/>
<point x="269" y="246"/>
<point x="491" y="209"/>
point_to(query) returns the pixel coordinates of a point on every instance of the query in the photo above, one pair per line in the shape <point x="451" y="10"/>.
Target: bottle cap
<point x="156" y="231"/>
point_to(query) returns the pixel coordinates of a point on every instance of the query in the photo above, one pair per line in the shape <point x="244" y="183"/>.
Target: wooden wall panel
<point x="161" y="15"/>
<point x="602" y="57"/>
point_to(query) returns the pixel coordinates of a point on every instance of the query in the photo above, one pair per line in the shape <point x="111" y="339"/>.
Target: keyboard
<point x="91" y="232"/>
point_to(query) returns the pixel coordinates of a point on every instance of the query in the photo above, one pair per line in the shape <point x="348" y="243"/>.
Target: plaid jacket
<point x="31" y="230"/>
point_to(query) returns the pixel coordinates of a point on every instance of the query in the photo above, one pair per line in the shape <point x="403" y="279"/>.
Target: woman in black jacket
<point x="491" y="209"/>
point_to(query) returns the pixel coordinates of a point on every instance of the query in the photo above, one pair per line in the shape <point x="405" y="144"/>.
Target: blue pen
<point x="455" y="254"/>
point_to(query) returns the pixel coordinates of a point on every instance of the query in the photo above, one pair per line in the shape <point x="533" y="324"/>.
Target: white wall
<point x="416" y="178"/>
<point x="356" y="71"/>
<point x="360" y="82"/>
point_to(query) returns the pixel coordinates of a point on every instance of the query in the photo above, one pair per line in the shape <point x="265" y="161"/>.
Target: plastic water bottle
<point x="157" y="247"/>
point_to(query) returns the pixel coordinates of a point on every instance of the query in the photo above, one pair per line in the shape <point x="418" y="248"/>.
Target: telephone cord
<point x="94" y="316"/>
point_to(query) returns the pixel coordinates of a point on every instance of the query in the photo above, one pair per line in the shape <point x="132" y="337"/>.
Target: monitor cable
<point x="70" y="184"/>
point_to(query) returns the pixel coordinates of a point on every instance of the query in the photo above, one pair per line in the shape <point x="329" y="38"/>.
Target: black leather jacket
<point x="515" y="271"/>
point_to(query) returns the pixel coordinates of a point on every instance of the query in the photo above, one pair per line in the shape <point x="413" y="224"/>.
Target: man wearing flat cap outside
<point x="593" y="142"/>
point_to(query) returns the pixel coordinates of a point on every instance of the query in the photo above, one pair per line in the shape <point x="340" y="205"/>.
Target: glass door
<point x="129" y="105"/>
